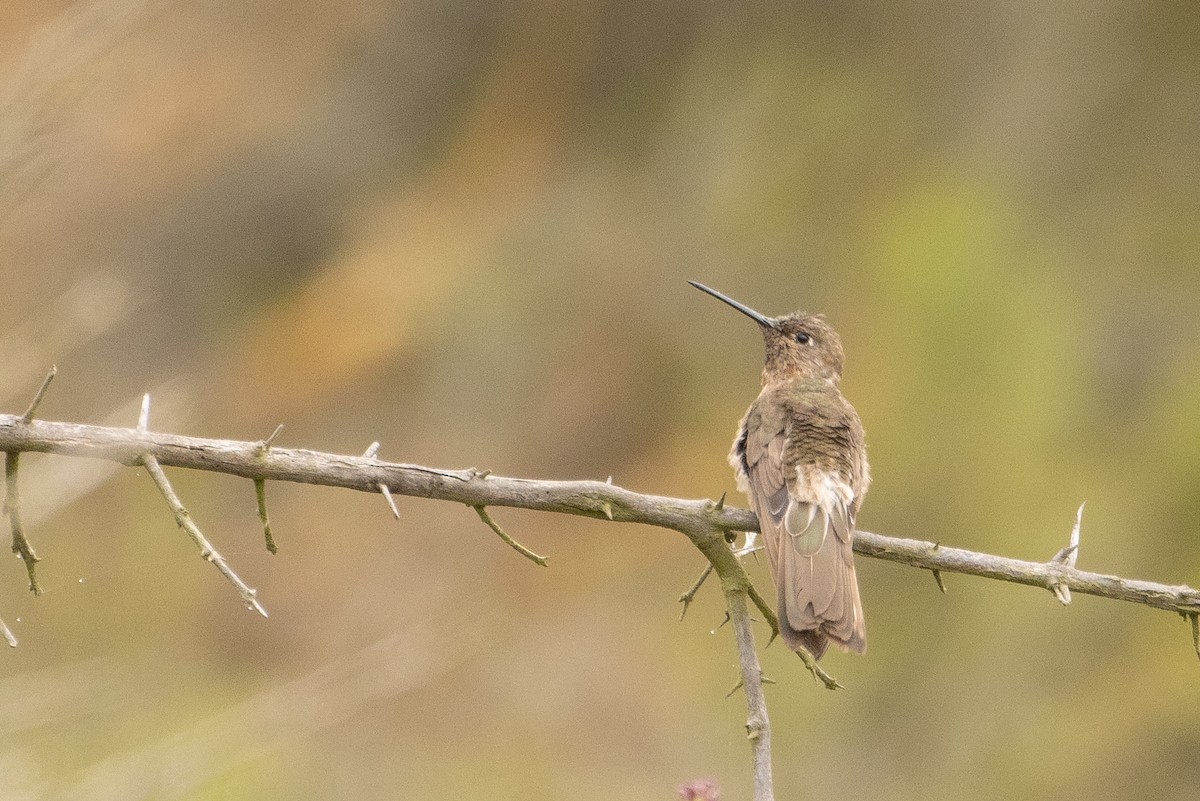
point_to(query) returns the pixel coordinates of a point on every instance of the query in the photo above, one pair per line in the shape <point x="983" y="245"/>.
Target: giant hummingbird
<point x="800" y="457"/>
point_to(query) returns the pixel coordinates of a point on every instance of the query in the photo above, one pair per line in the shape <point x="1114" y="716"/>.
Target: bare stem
<point x="207" y="551"/>
<point x="260" y="492"/>
<point x="516" y="546"/>
<point x="687" y="598"/>
<point x="758" y="724"/>
<point x="12" y="506"/>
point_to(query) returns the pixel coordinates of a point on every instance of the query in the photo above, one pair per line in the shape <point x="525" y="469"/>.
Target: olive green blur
<point x="464" y="229"/>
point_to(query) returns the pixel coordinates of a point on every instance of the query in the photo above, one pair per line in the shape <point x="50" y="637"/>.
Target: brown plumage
<point x="800" y="457"/>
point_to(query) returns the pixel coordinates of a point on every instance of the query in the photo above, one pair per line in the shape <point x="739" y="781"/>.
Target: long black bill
<point x="746" y="310"/>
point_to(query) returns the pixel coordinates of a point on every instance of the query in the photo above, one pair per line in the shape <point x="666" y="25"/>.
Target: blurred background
<point x="464" y="229"/>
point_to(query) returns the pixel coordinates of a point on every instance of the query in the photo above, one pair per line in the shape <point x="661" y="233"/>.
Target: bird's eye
<point x="803" y="338"/>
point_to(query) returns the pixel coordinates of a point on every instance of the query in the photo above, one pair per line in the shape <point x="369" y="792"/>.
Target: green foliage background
<point x="464" y="229"/>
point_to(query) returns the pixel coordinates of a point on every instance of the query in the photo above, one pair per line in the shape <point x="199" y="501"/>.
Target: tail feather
<point x="818" y="599"/>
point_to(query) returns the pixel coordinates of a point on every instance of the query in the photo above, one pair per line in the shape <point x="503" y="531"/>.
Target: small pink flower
<point x="700" y="790"/>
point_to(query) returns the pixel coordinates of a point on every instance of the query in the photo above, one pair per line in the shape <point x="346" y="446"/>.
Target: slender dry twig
<point x="516" y="546"/>
<point x="184" y="519"/>
<point x="689" y="596"/>
<point x="12" y="507"/>
<point x="260" y="493"/>
<point x="207" y="551"/>
<point x="12" y="496"/>
<point x="758" y="724"/>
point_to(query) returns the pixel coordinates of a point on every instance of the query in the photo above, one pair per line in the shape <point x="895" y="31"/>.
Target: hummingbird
<point x="800" y="457"/>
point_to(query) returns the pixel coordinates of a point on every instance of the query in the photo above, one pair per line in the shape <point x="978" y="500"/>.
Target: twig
<point x="184" y="519"/>
<point x="758" y="724"/>
<point x="260" y="492"/>
<point x="687" y="598"/>
<point x="207" y="551"/>
<point x="818" y="672"/>
<point x="767" y="612"/>
<point x="12" y="506"/>
<point x="518" y="547"/>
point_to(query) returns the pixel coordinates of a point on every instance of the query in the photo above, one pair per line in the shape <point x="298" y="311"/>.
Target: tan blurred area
<point x="464" y="229"/>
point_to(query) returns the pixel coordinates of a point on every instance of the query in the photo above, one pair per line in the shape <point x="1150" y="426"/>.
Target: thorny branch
<point x="704" y="522"/>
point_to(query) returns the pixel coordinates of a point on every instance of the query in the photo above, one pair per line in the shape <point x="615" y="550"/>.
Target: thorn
<point x="937" y="576"/>
<point x="9" y="637"/>
<point x="371" y="450"/>
<point x="144" y="417"/>
<point x="37" y="399"/>
<point x="748" y="546"/>
<point x="736" y="687"/>
<point x="937" y="546"/>
<point x="1062" y="592"/>
<point x="609" y="480"/>
<point x="722" y="625"/>
<point x="606" y="506"/>
<point x="720" y="505"/>
<point x="265" y="445"/>
<point x="1195" y="631"/>
<point x="1068" y="555"/>
<point x="387" y="494"/>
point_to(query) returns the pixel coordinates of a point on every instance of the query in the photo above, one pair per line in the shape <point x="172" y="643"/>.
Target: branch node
<point x="260" y="492"/>
<point x="27" y="418"/>
<point x="518" y="547"/>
